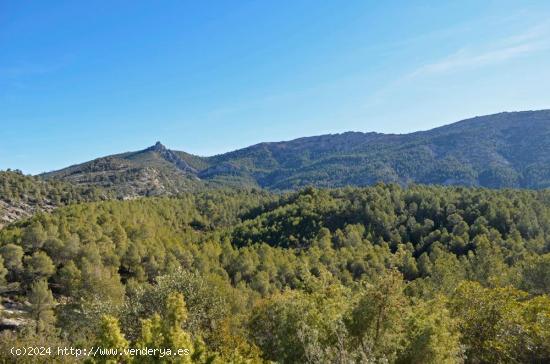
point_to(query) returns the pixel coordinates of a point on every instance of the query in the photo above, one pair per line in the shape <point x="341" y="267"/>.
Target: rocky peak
<point x="171" y="157"/>
<point x="158" y="147"/>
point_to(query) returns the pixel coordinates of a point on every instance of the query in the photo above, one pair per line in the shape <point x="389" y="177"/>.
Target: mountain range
<point x="510" y="149"/>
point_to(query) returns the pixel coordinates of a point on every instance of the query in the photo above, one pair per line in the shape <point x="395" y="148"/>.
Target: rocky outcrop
<point x="13" y="211"/>
<point x="172" y="157"/>
<point x="13" y="315"/>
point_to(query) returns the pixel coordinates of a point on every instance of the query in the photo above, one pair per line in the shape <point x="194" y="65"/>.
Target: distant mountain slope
<point x="501" y="150"/>
<point x="152" y="171"/>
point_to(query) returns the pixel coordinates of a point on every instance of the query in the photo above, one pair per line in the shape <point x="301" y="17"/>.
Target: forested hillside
<point x="21" y="195"/>
<point x="496" y="151"/>
<point x="353" y="275"/>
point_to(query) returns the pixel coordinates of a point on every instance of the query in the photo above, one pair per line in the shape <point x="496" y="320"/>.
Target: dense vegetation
<point x="501" y="150"/>
<point x="353" y="275"/>
<point x="22" y="195"/>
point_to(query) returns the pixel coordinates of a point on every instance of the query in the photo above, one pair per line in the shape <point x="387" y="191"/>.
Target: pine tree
<point x="377" y="320"/>
<point x="167" y="332"/>
<point x="13" y="258"/>
<point x="38" y="266"/>
<point x="42" y="305"/>
<point x="110" y="337"/>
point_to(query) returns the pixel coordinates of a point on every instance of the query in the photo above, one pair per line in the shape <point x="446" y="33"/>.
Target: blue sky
<point x="79" y="80"/>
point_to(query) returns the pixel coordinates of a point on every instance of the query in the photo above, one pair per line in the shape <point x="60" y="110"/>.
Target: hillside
<point x="22" y="196"/>
<point x="153" y="171"/>
<point x="496" y="151"/>
<point x="502" y="150"/>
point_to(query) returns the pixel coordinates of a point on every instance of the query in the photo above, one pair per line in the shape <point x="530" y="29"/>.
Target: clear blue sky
<point x="82" y="79"/>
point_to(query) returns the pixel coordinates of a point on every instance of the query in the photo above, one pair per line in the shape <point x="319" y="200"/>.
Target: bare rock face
<point x="172" y="157"/>
<point x="11" y="212"/>
<point x="13" y="315"/>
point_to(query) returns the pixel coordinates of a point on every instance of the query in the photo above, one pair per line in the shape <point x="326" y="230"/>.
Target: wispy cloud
<point x="521" y="44"/>
<point x="464" y="58"/>
<point x="533" y="40"/>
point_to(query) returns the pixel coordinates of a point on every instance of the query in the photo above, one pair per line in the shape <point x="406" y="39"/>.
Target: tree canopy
<point x="422" y="274"/>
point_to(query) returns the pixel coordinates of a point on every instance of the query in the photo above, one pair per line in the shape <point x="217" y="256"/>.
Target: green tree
<point x="38" y="266"/>
<point x="487" y="263"/>
<point x="34" y="237"/>
<point x="41" y="306"/>
<point x="432" y="335"/>
<point x="536" y="314"/>
<point x="100" y="283"/>
<point x="299" y="327"/>
<point x="13" y="258"/>
<point x="491" y="322"/>
<point x="377" y="320"/>
<point x="69" y="278"/>
<point x="110" y="337"/>
<point x="536" y="274"/>
<point x="167" y="332"/>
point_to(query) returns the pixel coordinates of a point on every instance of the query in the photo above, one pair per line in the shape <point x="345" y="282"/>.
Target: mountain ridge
<point x="509" y="149"/>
